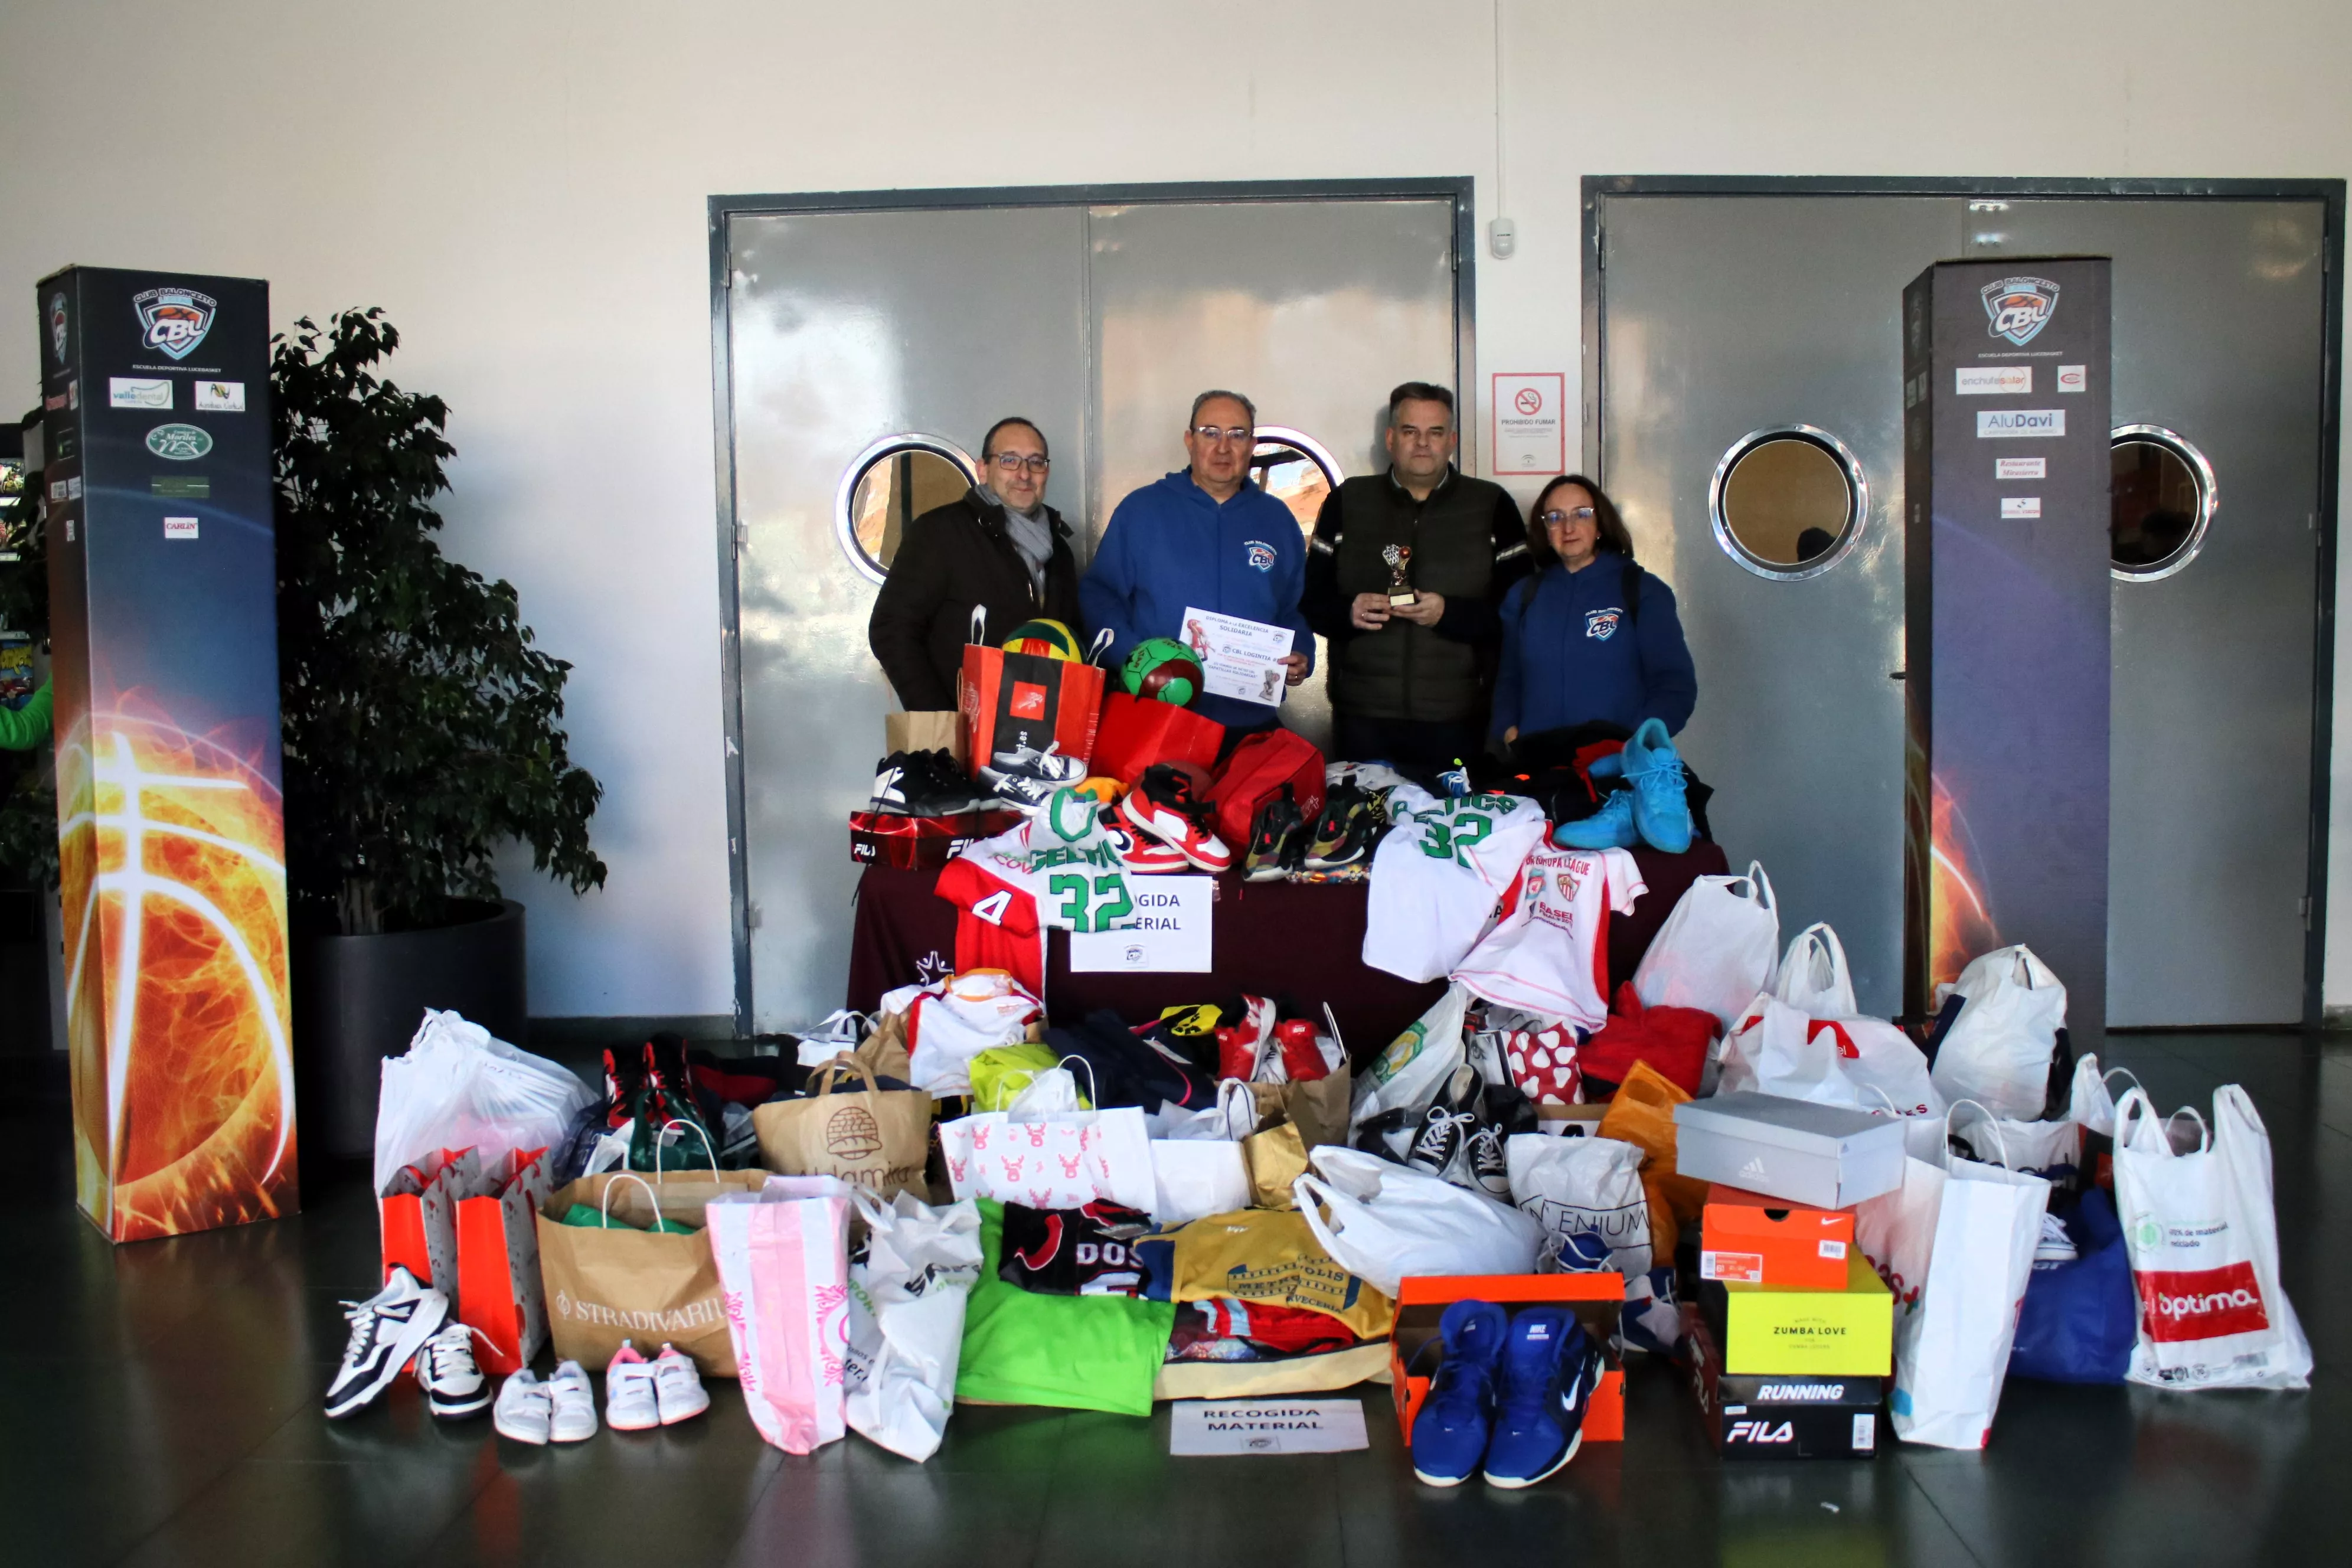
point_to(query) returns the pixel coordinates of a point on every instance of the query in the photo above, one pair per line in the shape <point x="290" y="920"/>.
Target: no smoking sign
<point x="1530" y="436"/>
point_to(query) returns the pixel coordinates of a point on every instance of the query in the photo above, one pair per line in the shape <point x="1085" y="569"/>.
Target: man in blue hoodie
<point x="1205" y="537"/>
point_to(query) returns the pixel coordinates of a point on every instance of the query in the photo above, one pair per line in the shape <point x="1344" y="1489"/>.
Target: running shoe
<point x="454" y="1385"/>
<point x="1611" y="827"/>
<point x="631" y="1399"/>
<point x="1344" y="834"/>
<point x="1162" y="805"/>
<point x="1277" y="842"/>
<point x="678" y="1392"/>
<point x="1549" y="1369"/>
<point x="387" y="1330"/>
<point x="1452" y="1430"/>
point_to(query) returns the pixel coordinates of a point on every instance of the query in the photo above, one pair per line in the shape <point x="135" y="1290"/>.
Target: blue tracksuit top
<point x="1571" y="655"/>
<point x="1170" y="545"/>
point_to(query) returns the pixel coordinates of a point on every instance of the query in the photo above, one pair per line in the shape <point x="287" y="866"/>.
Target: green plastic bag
<point x="1001" y="1072"/>
<point x="593" y="1219"/>
<point x="1075" y="1352"/>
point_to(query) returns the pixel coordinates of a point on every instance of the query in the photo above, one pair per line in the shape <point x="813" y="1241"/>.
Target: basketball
<point x="1048" y="639"/>
<point x="1164" y="670"/>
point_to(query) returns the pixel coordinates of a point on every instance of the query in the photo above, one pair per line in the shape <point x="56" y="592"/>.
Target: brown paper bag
<point x="1643" y="1113"/>
<point x="1318" y="1107"/>
<point x="607" y="1285"/>
<point x="885" y="1049"/>
<point x="875" y="1138"/>
<point x="1276" y="1156"/>
<point x="928" y="731"/>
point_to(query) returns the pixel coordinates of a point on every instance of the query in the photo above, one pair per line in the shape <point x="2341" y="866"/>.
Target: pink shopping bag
<point x="782" y="1253"/>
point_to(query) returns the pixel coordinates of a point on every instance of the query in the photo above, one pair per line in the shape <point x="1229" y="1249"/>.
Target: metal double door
<point x="842" y="330"/>
<point x="1723" y="314"/>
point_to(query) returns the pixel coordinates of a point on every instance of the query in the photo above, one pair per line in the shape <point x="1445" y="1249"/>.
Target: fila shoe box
<point x="1824" y="1156"/>
<point x="1789" y="1330"/>
<point x="1780" y="1415"/>
<point x="1416" y="1350"/>
<point x="1755" y="1241"/>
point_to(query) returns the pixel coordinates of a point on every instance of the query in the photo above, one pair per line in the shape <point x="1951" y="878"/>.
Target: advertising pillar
<point x="2006" y="592"/>
<point x="171" y="826"/>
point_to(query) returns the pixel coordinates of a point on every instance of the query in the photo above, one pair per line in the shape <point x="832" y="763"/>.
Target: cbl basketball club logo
<point x="2019" y="308"/>
<point x="175" y="320"/>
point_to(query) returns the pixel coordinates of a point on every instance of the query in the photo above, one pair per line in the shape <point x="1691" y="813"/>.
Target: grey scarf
<point x="1031" y="534"/>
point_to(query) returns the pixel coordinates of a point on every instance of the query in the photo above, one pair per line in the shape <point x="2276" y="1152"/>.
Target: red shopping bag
<point x="498" y="1289"/>
<point x="1016" y="701"/>
<point x="416" y="1216"/>
<point x="1261" y="765"/>
<point x="1136" y="732"/>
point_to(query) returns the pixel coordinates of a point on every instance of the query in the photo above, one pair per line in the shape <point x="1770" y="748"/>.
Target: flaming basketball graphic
<point x="1960" y="921"/>
<point x="171" y="860"/>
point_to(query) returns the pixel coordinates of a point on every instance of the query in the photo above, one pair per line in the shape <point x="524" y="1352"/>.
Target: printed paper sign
<point x="2021" y="506"/>
<point x="1238" y="657"/>
<point x="2021" y="467"/>
<point x="220" y="396"/>
<point x="2029" y="423"/>
<point x="1200" y="1426"/>
<point x="2074" y="378"/>
<point x="1530" y="427"/>
<point x="138" y="392"/>
<point x="1978" y="380"/>
<point x="1170" y="934"/>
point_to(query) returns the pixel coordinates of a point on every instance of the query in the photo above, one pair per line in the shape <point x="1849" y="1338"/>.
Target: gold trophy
<point x="1400" y="594"/>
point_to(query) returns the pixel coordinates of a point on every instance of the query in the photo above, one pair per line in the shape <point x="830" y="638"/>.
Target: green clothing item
<point x="1073" y="1352"/>
<point x="589" y="1217"/>
<point x="22" y="729"/>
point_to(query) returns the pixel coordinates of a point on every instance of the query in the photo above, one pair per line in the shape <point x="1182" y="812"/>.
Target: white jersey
<point x="1437" y="876"/>
<point x="1548" y="954"/>
<point x="1057" y="867"/>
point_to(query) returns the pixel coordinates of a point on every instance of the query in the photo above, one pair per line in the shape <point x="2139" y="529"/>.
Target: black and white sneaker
<point x="1488" y="1168"/>
<point x="924" y="784"/>
<point x="387" y="1329"/>
<point x="454" y="1386"/>
<point x="1026" y="762"/>
<point x="1446" y="1125"/>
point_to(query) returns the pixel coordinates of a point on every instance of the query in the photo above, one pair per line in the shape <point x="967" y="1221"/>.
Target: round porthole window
<point x="890" y="484"/>
<point x="2160" y="503"/>
<point x="1788" y="501"/>
<point x="1295" y="470"/>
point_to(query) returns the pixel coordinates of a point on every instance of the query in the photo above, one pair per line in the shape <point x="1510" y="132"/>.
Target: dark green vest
<point x="1403" y="670"/>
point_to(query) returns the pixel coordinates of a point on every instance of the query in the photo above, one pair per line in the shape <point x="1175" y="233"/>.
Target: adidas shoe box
<point x="1825" y="1156"/>
<point x="1755" y="1241"/>
<point x="1803" y="1332"/>
<point x="1780" y="1415"/>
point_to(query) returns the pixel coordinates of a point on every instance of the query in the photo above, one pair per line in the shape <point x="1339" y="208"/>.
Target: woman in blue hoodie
<point x="1590" y="636"/>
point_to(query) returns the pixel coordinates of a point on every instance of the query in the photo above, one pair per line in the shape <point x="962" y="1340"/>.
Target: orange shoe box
<point x="1748" y="1239"/>
<point x="1414" y="1351"/>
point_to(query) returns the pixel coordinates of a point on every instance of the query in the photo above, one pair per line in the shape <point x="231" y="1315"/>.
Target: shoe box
<point x="906" y="843"/>
<point x="1780" y="1415"/>
<point x="1794" y="1329"/>
<point x="1415" y="1352"/>
<point x="1826" y="1156"/>
<point x="1758" y="1240"/>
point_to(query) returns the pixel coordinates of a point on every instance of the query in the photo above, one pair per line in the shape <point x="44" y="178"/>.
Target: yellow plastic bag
<point x="1001" y="1072"/>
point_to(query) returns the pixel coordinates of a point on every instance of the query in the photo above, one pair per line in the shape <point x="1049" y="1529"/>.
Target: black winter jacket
<point x="953" y="557"/>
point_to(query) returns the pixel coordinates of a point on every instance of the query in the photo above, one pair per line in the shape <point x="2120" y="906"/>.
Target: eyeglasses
<point x="1013" y="462"/>
<point x="1212" y="434"/>
<point x="1554" y="519"/>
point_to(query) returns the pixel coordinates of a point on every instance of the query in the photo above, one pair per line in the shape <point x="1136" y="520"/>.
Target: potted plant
<point x="421" y="729"/>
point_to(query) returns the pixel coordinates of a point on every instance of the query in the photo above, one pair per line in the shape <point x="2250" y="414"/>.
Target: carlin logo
<point x="851" y="1134"/>
<point x="178" y="443"/>
<point x="1601" y="624"/>
<point x="2019" y="308"/>
<point x="175" y="320"/>
<point x="1761" y="1432"/>
<point x="57" y="327"/>
<point x="1260" y="555"/>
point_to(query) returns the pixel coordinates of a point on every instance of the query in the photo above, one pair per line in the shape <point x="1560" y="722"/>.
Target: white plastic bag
<point x="2091" y="1102"/>
<point x="2051" y="1150"/>
<point x="1887" y="1071"/>
<point x="906" y="1320"/>
<point x="1998" y="1050"/>
<point x="1813" y="975"/>
<point x="1586" y="1196"/>
<point x="1407" y="1076"/>
<point x="458" y="1088"/>
<point x="1192" y="1178"/>
<point x="1772" y="1049"/>
<point x="1955" y="1243"/>
<point x="1386" y="1222"/>
<point x="1720" y="947"/>
<point x="2202" y="1231"/>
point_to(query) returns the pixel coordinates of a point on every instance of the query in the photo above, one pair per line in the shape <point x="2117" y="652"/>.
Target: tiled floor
<point x="160" y="1403"/>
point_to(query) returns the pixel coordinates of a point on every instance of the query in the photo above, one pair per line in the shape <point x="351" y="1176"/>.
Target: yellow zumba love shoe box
<point x="1795" y="1331"/>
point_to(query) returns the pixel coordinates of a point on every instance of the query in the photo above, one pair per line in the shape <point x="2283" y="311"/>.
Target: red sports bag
<point x="1261" y="765"/>
<point x="1136" y="732"/>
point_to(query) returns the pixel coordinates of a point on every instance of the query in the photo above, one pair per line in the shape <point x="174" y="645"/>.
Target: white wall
<point x="521" y="185"/>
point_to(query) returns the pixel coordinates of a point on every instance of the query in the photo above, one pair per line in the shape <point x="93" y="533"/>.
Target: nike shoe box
<point x="1756" y="1240"/>
<point x="919" y="842"/>
<point x="1824" y="1156"/>
<point x="1795" y="1331"/>
<point x="1415" y="1351"/>
<point x="1765" y="1415"/>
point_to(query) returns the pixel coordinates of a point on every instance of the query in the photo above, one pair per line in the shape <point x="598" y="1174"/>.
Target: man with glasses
<point x="1203" y="537"/>
<point x="998" y="546"/>
<point x="1411" y="681"/>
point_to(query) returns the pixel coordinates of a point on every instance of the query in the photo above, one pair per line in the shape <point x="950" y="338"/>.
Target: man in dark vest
<point x="1410" y="681"/>
<point x="1000" y="547"/>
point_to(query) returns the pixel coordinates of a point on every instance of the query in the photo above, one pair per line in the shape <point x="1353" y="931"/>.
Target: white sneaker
<point x="2056" y="1246"/>
<point x="387" y="1329"/>
<point x="632" y="1402"/>
<point x="526" y="1410"/>
<point x="574" y="1402"/>
<point x="454" y="1386"/>
<point x="677" y="1387"/>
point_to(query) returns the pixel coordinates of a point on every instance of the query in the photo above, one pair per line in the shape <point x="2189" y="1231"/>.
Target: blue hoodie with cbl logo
<point x="1575" y="650"/>
<point x="1171" y="546"/>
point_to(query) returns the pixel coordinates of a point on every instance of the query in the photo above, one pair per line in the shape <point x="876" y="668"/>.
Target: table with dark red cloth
<point x="1302" y="940"/>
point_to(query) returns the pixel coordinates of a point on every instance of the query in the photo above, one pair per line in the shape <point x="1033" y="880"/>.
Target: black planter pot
<point x="359" y="999"/>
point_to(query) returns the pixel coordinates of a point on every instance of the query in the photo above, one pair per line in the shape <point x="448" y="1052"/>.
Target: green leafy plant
<point x="28" y="798"/>
<point x="422" y="727"/>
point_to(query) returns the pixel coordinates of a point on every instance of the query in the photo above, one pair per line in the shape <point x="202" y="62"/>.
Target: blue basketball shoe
<point x="1451" y="1429"/>
<point x="1661" y="806"/>
<point x="1550" y="1367"/>
<point x="1611" y="827"/>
